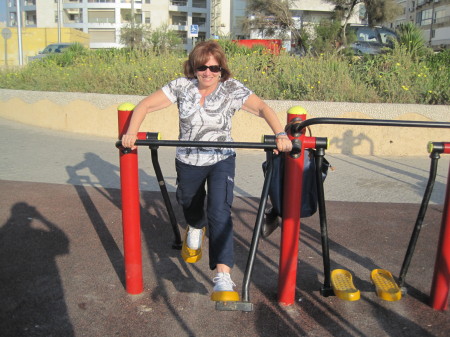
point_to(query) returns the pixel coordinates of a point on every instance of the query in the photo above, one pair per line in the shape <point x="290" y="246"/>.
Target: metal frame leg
<point x="177" y="244"/>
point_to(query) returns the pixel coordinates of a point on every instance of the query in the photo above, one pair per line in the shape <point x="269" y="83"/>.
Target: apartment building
<point x="433" y="18"/>
<point x="102" y="20"/>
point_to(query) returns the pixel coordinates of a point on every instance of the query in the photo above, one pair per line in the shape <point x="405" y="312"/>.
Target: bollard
<point x="290" y="231"/>
<point x="129" y="182"/>
<point x="441" y="277"/>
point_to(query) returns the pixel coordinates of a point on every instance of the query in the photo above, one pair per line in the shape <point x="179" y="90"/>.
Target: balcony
<point x="199" y="3"/>
<point x="178" y="3"/>
<point x="201" y="22"/>
<point x="178" y="19"/>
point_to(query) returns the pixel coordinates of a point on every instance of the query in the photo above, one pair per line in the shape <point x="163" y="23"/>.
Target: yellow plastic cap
<point x="430" y="147"/>
<point x="297" y="110"/>
<point x="126" y="107"/>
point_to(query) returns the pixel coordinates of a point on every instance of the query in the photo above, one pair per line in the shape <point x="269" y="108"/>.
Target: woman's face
<point x="208" y="78"/>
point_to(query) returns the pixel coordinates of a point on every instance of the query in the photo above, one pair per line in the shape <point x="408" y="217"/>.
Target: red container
<point x="272" y="45"/>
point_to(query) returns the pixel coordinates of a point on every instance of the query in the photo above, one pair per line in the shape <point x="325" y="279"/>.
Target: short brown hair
<point x="200" y="55"/>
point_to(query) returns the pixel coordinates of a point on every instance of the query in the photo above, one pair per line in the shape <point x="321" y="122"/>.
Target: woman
<point x="207" y="98"/>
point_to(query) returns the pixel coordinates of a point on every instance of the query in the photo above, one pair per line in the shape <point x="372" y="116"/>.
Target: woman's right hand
<point x="128" y="140"/>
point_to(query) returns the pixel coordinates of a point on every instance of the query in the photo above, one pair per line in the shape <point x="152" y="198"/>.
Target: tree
<point x="377" y="11"/>
<point x="133" y="36"/>
<point x="272" y="18"/>
<point x="410" y="36"/>
<point x="163" y="40"/>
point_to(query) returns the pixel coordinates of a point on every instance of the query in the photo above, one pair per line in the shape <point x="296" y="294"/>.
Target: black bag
<point x="309" y="190"/>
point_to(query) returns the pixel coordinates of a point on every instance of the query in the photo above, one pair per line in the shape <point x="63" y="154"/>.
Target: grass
<point x="396" y="77"/>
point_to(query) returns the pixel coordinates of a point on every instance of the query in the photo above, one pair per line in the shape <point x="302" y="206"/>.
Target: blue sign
<point x="194" y="30"/>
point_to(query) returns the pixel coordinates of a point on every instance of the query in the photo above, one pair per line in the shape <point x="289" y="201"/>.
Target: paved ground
<point x="61" y="255"/>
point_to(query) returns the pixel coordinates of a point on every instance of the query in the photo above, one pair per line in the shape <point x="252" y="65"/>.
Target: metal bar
<point x="247" y="145"/>
<point x="257" y="229"/>
<point x="297" y="127"/>
<point x="162" y="186"/>
<point x="418" y="225"/>
<point x="326" y="288"/>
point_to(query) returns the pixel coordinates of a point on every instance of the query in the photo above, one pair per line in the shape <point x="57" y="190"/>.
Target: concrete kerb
<point x="96" y="114"/>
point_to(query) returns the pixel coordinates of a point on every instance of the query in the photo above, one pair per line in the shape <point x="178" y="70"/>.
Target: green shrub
<point x="395" y="77"/>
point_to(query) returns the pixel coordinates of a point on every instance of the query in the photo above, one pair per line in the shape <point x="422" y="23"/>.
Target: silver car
<point x="49" y="50"/>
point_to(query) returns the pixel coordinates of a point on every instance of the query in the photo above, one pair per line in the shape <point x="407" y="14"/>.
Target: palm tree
<point x="410" y="36"/>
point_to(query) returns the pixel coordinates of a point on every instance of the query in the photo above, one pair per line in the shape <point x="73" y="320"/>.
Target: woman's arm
<point x="257" y="106"/>
<point x="156" y="101"/>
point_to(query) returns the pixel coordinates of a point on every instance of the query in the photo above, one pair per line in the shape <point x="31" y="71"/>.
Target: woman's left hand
<point x="284" y="144"/>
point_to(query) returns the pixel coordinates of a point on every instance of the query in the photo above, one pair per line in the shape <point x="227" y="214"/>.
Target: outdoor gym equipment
<point x="130" y="206"/>
<point x="340" y="281"/>
<point x="291" y="207"/>
<point x="440" y="280"/>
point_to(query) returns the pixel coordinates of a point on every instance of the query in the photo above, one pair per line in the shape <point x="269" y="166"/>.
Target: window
<point x="30" y="18"/>
<point x="178" y="2"/>
<point x="439" y="16"/>
<point x="125" y="15"/>
<point x="101" y="16"/>
<point x="183" y="36"/>
<point x="74" y="15"/>
<point x="199" y="3"/>
<point x="198" y="19"/>
<point x="13" y="19"/>
<point x="102" y="35"/>
<point x="146" y="16"/>
<point x="178" y="19"/>
<point x="426" y="17"/>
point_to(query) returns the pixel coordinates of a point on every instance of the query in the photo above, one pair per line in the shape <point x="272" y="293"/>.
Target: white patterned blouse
<point x="210" y="122"/>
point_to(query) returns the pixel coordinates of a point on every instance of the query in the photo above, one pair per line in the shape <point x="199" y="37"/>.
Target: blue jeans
<point x="191" y="193"/>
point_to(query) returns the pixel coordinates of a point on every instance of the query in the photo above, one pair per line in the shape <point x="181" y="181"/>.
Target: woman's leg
<point x="220" y="198"/>
<point x="191" y="192"/>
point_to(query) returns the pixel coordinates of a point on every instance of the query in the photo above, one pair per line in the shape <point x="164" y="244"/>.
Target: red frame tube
<point x="129" y="182"/>
<point x="446" y="148"/>
<point x="441" y="278"/>
<point x="290" y="231"/>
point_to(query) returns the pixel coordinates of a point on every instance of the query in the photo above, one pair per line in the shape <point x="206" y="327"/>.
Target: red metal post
<point x="129" y="182"/>
<point x="441" y="278"/>
<point x="290" y="232"/>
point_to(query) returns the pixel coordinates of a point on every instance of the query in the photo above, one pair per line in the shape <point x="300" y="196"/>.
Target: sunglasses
<point x="214" y="69"/>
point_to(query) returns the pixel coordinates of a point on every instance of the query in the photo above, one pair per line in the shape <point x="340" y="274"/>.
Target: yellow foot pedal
<point x="342" y="283"/>
<point x="225" y="296"/>
<point x="191" y="255"/>
<point x="385" y="285"/>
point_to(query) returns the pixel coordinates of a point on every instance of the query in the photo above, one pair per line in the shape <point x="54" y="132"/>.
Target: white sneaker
<point x="223" y="282"/>
<point x="194" y="238"/>
<point x="224" y="288"/>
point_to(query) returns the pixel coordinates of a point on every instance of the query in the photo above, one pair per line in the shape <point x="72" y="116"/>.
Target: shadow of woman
<point x="31" y="292"/>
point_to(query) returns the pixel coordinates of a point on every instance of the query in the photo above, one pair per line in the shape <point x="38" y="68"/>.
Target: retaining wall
<point x="96" y="114"/>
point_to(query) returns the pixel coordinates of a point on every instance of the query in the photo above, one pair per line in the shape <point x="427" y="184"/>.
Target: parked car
<point x="49" y="50"/>
<point x="370" y="40"/>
